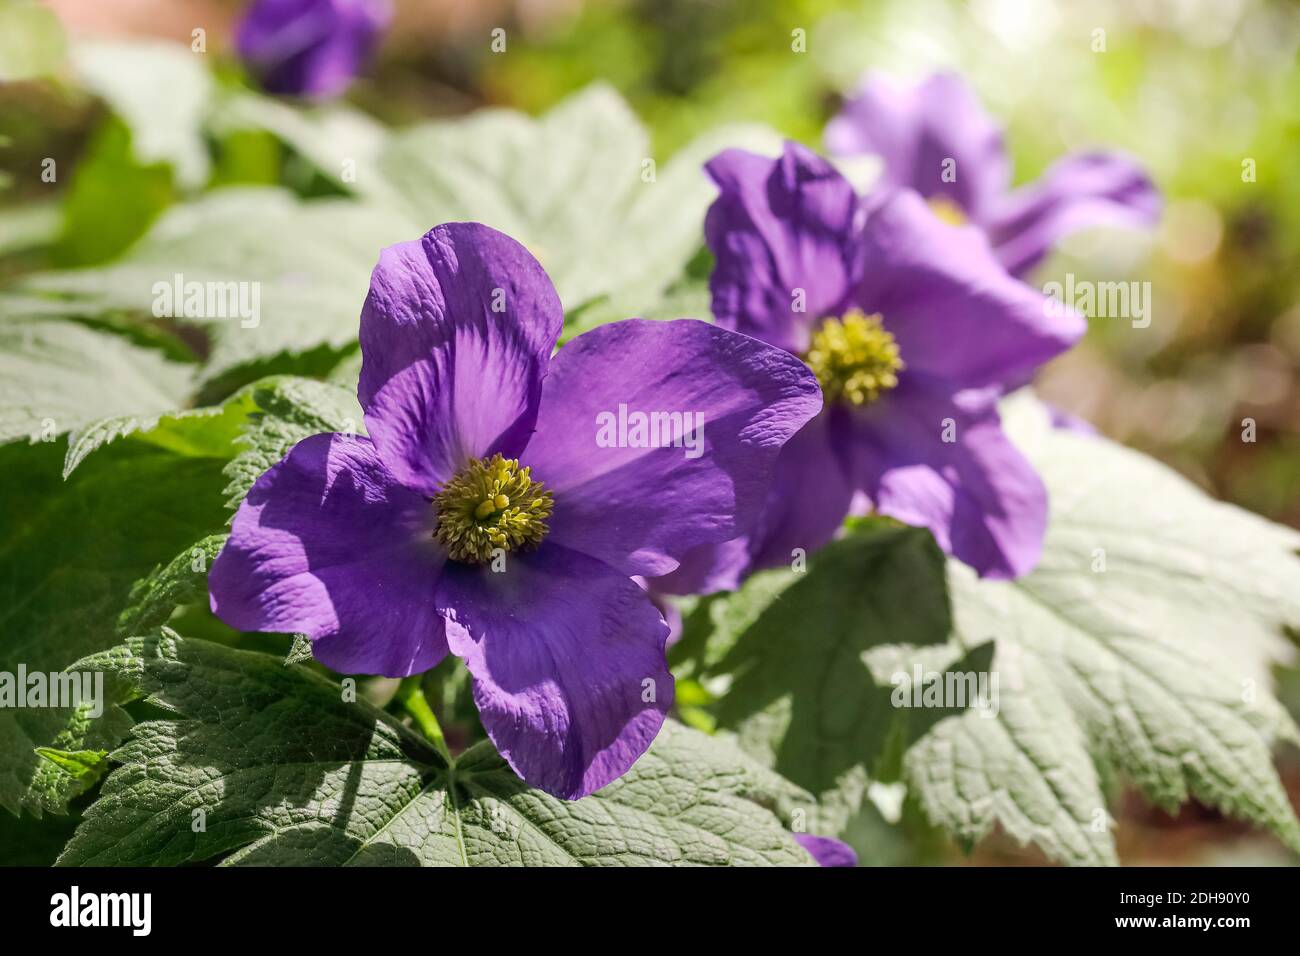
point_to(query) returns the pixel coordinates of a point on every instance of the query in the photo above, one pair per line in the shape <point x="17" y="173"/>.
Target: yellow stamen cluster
<point x="854" y="358"/>
<point x="491" y="504"/>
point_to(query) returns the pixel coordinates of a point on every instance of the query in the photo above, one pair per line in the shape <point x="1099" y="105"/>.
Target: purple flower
<point x="310" y="48"/>
<point x="827" y="851"/>
<point x="913" y="328"/>
<point x="935" y="138"/>
<point x="484" y="515"/>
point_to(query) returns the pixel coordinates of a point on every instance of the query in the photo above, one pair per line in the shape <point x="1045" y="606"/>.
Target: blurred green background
<point x="1194" y="88"/>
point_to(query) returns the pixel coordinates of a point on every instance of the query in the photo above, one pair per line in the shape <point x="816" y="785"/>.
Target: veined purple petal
<point x="827" y="851"/>
<point x="976" y="493"/>
<point x="310" y="48"/>
<point x="567" y="656"/>
<point x="782" y="233"/>
<point x="933" y="136"/>
<point x="810" y="495"/>
<point x="958" y="318"/>
<point x="1077" y="192"/>
<point x="456" y="334"/>
<point x="329" y="544"/>
<point x="655" y="437"/>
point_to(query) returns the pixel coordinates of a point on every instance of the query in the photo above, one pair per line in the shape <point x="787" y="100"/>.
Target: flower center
<point x="854" y="358"/>
<point x="947" y="210"/>
<point x="491" y="504"/>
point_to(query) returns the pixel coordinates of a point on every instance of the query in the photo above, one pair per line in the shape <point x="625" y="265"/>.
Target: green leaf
<point x="162" y="92"/>
<point x="249" y="433"/>
<point x="797" y="658"/>
<point x="288" y="409"/>
<point x="78" y="763"/>
<point x="341" y="143"/>
<point x="182" y="581"/>
<point x="247" y="157"/>
<point x="299" y="651"/>
<point x="208" y="432"/>
<point x="307" y="262"/>
<point x="112" y="201"/>
<point x="688" y="299"/>
<point x="69" y="554"/>
<point x="31" y="226"/>
<point x="31" y="41"/>
<point x="58" y="375"/>
<point x="1153" y="668"/>
<point x="270" y="764"/>
<point x="572" y="186"/>
<point x="576" y="187"/>
<point x="241" y="438"/>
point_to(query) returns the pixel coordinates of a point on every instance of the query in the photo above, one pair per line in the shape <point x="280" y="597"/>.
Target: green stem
<point x="411" y="695"/>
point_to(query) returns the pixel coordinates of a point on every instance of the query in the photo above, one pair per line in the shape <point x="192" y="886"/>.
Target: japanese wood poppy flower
<point x="913" y="329"/>
<point x="482" y="516"/>
<point x="311" y="48"/>
<point x="935" y="138"/>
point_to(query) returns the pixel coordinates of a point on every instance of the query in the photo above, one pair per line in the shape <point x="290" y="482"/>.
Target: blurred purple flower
<point x="913" y="329"/>
<point x="827" y="851"/>
<point x="311" y="48"/>
<point x="482" y="516"/>
<point x="935" y="138"/>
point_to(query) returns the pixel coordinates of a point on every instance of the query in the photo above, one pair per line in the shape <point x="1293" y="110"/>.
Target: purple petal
<point x="637" y="508"/>
<point x="565" y="652"/>
<point x="310" y="48"/>
<point x="957" y="316"/>
<point x="811" y="492"/>
<point x="810" y="495"/>
<point x="922" y="130"/>
<point x="707" y="569"/>
<point x="456" y="334"/>
<point x="1077" y="192"/>
<point x="667" y="610"/>
<point x="827" y="851"/>
<point x="330" y="545"/>
<point x="777" y="227"/>
<point x="977" y="494"/>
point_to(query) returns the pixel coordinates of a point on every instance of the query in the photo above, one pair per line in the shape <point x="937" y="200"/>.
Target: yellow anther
<point x="854" y="358"/>
<point x="491" y="504"/>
